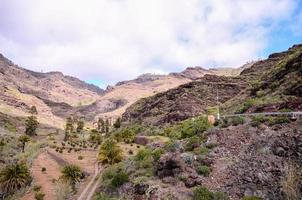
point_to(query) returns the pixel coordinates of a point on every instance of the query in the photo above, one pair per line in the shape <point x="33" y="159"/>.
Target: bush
<point x="193" y="127"/>
<point x="110" y="152"/>
<point x="278" y="120"/>
<point x="245" y="106"/>
<point x="202" y="151"/>
<point x="172" y="146"/>
<point x="257" y="120"/>
<point x="156" y="153"/>
<point x="204" y="170"/>
<point x="235" y="121"/>
<point x="37" y="188"/>
<point x="39" y="195"/>
<point x="202" y="193"/>
<point x="43" y="169"/>
<point x="192" y="143"/>
<point x="115" y="176"/>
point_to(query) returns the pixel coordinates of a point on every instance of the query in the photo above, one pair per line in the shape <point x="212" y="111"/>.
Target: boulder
<point x="142" y="140"/>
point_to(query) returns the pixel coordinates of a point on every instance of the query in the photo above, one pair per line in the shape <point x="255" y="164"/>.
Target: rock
<point x="140" y="188"/>
<point x="190" y="182"/>
<point x="142" y="140"/>
<point x="169" y="164"/>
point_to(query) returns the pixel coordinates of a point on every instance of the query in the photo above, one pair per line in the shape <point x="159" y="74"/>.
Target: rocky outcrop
<point x="185" y="101"/>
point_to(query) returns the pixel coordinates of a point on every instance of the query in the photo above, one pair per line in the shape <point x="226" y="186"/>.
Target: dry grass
<point x="291" y="183"/>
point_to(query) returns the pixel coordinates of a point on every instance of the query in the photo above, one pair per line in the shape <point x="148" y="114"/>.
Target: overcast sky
<point x="105" y="41"/>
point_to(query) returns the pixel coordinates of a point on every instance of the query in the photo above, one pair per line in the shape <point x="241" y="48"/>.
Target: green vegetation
<point x="109" y="152"/>
<point x="117" y="123"/>
<point x="203" y="170"/>
<point x="13" y="177"/>
<point x="115" y="176"/>
<point x="33" y="110"/>
<point x="102" y="196"/>
<point x="39" y="195"/>
<point x="257" y="120"/>
<point x="202" y="193"/>
<point x="31" y="125"/>
<point x="80" y="125"/>
<point x="192" y="143"/>
<point x="101" y="125"/>
<point x="278" y="120"/>
<point x="23" y="139"/>
<point x="156" y="153"/>
<point x="71" y="174"/>
<point x="10" y="127"/>
<point x="193" y="127"/>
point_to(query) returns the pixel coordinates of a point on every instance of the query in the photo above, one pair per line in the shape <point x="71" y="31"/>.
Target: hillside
<point x="267" y="85"/>
<point x="57" y="96"/>
<point x="20" y="89"/>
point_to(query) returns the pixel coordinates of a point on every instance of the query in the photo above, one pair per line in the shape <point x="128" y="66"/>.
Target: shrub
<point x="202" y="150"/>
<point x="156" y="153"/>
<point x="194" y="127"/>
<point x="110" y="152"/>
<point x="71" y="174"/>
<point x="278" y="120"/>
<point x="43" y="169"/>
<point x="235" y="121"/>
<point x="202" y="193"/>
<point x="172" y="146"/>
<point x="115" y="176"/>
<point x="37" y="188"/>
<point x="31" y="125"/>
<point x="130" y="152"/>
<point x="245" y="106"/>
<point x="39" y="195"/>
<point x="257" y="120"/>
<point x="80" y="157"/>
<point x="204" y="170"/>
<point x="192" y="143"/>
<point x="13" y="177"/>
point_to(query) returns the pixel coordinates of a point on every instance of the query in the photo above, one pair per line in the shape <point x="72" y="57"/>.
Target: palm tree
<point x="24" y="139"/>
<point x="71" y="174"/>
<point x="14" y="177"/>
<point x="110" y="152"/>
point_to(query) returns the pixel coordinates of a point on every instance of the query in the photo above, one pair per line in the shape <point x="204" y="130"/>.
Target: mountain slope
<point x="20" y="89"/>
<point x="268" y="85"/>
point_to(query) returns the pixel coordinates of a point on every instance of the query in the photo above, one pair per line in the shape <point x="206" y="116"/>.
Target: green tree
<point x="110" y="152"/>
<point x="24" y="139"/>
<point x="117" y="123"/>
<point x="31" y="125"/>
<point x="33" y="110"/>
<point x="13" y="177"/>
<point x="68" y="128"/>
<point x="107" y="125"/>
<point x="101" y="125"/>
<point x="71" y="174"/>
<point x="80" y="125"/>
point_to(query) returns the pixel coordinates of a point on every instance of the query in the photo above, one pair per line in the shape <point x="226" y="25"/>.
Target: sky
<point x="106" y="41"/>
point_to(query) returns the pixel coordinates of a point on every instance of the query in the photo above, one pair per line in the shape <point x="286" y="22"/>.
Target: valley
<point x="156" y="136"/>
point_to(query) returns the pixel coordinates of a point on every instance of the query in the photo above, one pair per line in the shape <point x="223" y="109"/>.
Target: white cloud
<point x="113" y="40"/>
